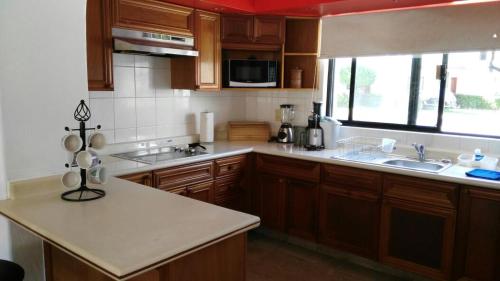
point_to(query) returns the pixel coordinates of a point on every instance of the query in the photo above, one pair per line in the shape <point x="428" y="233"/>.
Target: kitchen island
<point x="134" y="233"/>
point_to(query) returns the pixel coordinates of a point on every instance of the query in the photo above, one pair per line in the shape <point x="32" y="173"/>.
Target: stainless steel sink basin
<point x="434" y="167"/>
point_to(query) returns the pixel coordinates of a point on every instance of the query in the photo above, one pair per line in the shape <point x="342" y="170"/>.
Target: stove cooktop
<point x="158" y="155"/>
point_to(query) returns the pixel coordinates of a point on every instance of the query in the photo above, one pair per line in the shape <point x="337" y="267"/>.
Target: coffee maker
<point x="315" y="134"/>
<point x="285" y="132"/>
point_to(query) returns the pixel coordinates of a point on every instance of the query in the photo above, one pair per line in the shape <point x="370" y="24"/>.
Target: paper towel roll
<point x="206" y="127"/>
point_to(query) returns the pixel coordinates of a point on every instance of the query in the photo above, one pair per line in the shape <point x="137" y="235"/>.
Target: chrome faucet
<point x="420" y="148"/>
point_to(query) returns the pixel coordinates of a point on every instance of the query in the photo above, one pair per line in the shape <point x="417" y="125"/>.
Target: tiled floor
<point x="270" y="259"/>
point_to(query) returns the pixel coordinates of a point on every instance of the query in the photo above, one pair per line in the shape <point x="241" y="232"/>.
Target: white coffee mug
<point x="72" y="142"/>
<point x="86" y="159"/>
<point x="97" y="140"/>
<point x="98" y="175"/>
<point x="71" y="179"/>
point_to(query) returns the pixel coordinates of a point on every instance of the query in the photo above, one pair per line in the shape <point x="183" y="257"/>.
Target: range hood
<point x="154" y="44"/>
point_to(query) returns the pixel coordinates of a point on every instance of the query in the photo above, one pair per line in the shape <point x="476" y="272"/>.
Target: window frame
<point x="412" y="104"/>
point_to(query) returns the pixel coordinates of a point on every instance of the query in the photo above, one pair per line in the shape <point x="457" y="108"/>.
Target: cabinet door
<point x="208" y="44"/>
<point x="237" y="28"/>
<point x="301" y="208"/>
<point x="269" y="29"/>
<point x="478" y="235"/>
<point x="202" y="191"/>
<point x="140" y="178"/>
<point x="417" y="238"/>
<point x="154" y="16"/>
<point x="349" y="220"/>
<point x="272" y="192"/>
<point x="99" y="46"/>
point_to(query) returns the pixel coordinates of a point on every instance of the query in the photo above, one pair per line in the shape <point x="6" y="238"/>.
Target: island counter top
<point x="130" y="231"/>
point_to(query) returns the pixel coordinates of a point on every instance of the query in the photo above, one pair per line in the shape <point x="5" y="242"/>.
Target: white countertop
<point x="129" y="230"/>
<point x="454" y="174"/>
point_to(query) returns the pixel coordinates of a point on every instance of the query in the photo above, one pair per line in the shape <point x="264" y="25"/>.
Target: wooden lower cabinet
<point x="349" y="221"/>
<point x="145" y="178"/>
<point x="229" y="192"/>
<point x="478" y="235"/>
<point x="301" y="208"/>
<point x="202" y="191"/>
<point x="272" y="201"/>
<point x="418" y="236"/>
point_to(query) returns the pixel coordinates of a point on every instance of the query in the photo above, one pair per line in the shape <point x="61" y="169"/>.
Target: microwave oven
<point x="250" y="73"/>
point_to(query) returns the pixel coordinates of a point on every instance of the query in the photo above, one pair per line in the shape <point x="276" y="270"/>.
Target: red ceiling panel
<point x="310" y="7"/>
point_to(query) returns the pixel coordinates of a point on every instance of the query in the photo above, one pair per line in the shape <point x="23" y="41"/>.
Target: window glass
<point x="472" y="99"/>
<point x="382" y="89"/>
<point x="428" y="98"/>
<point x="341" y="85"/>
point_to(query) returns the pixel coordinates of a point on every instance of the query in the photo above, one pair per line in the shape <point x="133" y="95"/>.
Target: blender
<point x="285" y="133"/>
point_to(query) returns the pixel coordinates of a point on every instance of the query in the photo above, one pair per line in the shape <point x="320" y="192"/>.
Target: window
<point x="451" y="93"/>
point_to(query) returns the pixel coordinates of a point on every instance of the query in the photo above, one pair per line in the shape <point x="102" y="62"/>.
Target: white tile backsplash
<point x="102" y="113"/>
<point x="125" y="114"/>
<point x="146" y="112"/>
<point x="124" y="82"/>
<point x="144" y="85"/>
<point x="125" y="135"/>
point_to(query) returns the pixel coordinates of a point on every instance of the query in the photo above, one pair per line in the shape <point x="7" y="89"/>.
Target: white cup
<point x="71" y="179"/>
<point x="98" y="175"/>
<point x="72" y="142"/>
<point x="97" y="140"/>
<point x="86" y="159"/>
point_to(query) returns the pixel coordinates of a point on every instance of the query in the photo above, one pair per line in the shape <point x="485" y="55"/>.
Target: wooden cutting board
<point x="248" y="131"/>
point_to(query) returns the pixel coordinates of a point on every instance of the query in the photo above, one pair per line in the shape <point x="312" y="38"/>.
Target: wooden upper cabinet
<point x="154" y="16"/>
<point x="208" y="44"/>
<point x="269" y="29"/>
<point x="253" y="29"/>
<point x="237" y="28"/>
<point x="478" y="235"/>
<point x="99" y="46"/>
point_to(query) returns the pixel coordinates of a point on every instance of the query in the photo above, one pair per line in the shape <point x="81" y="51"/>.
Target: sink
<point x="434" y="167"/>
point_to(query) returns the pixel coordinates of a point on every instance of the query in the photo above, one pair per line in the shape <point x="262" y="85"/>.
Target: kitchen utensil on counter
<point x="248" y="131"/>
<point x="315" y="134"/>
<point x="71" y="179"/>
<point x="84" y="159"/>
<point x="331" y="128"/>
<point x="97" y="140"/>
<point x="207" y="127"/>
<point x="71" y="142"/>
<point x="98" y="175"/>
<point x="285" y="132"/>
<point x="296" y="78"/>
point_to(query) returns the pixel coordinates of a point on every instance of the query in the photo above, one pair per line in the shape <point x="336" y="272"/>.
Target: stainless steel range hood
<point x="155" y="44"/>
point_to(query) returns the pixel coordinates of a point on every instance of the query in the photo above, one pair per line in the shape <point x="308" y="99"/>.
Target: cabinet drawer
<point x="288" y="167"/>
<point x="140" y="178"/>
<point x="230" y="165"/>
<point x="227" y="188"/>
<point x="421" y="191"/>
<point x="151" y="15"/>
<point x="351" y="178"/>
<point x="182" y="175"/>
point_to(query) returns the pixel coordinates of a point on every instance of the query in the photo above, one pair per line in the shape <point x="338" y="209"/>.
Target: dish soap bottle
<point x="478" y="156"/>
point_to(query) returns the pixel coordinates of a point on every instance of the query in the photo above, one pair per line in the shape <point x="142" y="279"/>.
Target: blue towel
<point x="484" y="174"/>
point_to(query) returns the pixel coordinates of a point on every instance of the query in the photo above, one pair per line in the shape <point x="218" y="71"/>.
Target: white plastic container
<point x="489" y="163"/>
<point x="331" y="130"/>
